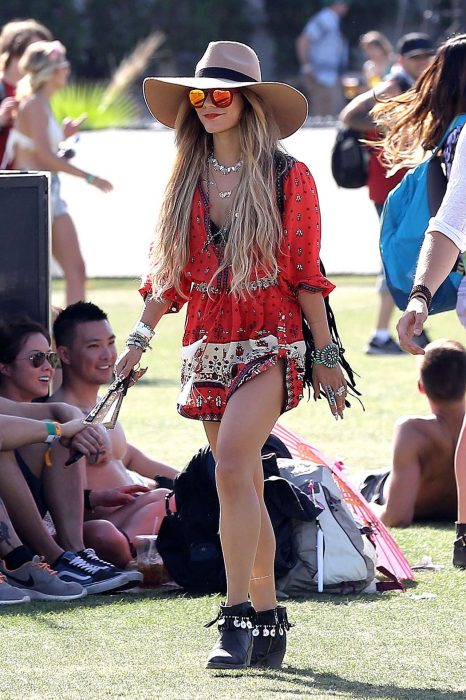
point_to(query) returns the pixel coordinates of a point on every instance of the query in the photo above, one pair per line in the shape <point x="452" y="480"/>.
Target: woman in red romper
<point x="248" y="269"/>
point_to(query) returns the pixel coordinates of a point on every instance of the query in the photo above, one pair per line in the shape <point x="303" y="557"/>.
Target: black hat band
<point x="225" y="74"/>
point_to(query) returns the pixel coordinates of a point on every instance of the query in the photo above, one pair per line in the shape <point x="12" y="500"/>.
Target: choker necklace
<point x="224" y="169"/>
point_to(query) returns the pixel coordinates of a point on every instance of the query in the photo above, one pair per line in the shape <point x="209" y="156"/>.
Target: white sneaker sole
<point x="26" y="599"/>
<point x="38" y="595"/>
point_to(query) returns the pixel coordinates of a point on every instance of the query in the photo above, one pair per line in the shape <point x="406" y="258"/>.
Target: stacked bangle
<point x="53" y="430"/>
<point x="327" y="356"/>
<point x="420" y="291"/>
<point x="140" y="336"/>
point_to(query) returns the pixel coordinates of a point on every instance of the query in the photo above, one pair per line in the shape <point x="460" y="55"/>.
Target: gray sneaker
<point x="9" y="595"/>
<point x="388" y="347"/>
<point x="36" y="579"/>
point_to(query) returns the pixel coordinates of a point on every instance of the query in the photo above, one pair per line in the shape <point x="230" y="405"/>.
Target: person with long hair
<point x="379" y="57"/>
<point x="34" y="144"/>
<point x="248" y="272"/>
<point x="15" y="37"/>
<point x="415" y="123"/>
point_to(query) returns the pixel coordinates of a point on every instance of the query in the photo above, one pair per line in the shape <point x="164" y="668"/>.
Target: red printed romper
<point x="227" y="340"/>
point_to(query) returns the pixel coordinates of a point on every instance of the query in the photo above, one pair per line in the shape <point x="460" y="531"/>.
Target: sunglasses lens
<point x="197" y="98"/>
<point x="53" y="359"/>
<point x="39" y="358"/>
<point x="222" y="98"/>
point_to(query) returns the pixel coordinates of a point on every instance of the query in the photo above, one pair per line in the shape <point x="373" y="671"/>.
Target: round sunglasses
<point x="38" y="358"/>
<point x="219" y="97"/>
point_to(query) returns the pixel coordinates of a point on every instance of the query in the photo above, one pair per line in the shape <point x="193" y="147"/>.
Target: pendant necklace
<point x="223" y="194"/>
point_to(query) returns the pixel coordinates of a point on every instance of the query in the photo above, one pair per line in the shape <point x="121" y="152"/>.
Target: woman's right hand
<point x="129" y="358"/>
<point x="102" y="184"/>
<point x="411" y="324"/>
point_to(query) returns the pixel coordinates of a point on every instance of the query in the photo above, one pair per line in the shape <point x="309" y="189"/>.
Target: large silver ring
<point x="341" y="391"/>
<point x="330" y="395"/>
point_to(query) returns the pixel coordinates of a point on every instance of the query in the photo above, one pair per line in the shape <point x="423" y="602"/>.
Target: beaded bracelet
<point x="139" y="342"/>
<point x="420" y="291"/>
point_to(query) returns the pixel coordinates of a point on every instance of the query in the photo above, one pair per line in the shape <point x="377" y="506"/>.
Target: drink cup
<point x="149" y="561"/>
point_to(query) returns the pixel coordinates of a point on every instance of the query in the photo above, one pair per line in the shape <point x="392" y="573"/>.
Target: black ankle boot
<point x="234" y="645"/>
<point x="459" y="547"/>
<point x="269" y="638"/>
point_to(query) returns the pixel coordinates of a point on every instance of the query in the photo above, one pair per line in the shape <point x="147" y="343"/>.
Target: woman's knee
<point x="233" y="469"/>
<point x="108" y="542"/>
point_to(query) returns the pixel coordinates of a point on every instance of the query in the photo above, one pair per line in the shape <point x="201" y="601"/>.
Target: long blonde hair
<point x="255" y="228"/>
<point x="38" y="63"/>
<point x="415" y="121"/>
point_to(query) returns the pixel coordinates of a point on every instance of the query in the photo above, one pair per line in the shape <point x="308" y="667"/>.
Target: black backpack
<point x="188" y="540"/>
<point x="350" y="159"/>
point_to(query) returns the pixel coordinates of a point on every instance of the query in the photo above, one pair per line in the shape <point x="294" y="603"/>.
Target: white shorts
<point x="57" y="204"/>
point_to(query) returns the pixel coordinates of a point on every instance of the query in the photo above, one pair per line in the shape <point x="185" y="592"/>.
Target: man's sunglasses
<point x="38" y="358"/>
<point x="219" y="97"/>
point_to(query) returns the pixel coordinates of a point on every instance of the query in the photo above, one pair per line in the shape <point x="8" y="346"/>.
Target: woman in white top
<point x="34" y="143"/>
<point x="416" y="121"/>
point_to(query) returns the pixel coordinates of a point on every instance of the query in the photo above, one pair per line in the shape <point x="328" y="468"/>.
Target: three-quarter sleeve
<point x="301" y="231"/>
<point x="176" y="299"/>
<point x="451" y="217"/>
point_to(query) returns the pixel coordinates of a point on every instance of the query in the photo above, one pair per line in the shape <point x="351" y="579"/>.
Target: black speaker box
<point x="24" y="246"/>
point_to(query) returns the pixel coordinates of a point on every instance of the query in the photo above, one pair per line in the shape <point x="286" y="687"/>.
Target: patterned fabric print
<point x="450" y="148"/>
<point x="227" y="339"/>
<point x="211" y="373"/>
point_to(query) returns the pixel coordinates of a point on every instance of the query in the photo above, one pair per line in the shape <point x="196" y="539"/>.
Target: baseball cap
<point x="415" y="44"/>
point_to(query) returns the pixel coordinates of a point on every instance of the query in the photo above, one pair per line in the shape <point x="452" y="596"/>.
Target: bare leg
<point x="9" y="540"/>
<point x="142" y="517"/>
<point x="460" y="471"/>
<point x="262" y="585"/>
<point x="64" y="493"/>
<point x="22" y="509"/>
<point x="386" y="307"/>
<point x="248" y="419"/>
<point x="66" y="251"/>
<point x="109" y="543"/>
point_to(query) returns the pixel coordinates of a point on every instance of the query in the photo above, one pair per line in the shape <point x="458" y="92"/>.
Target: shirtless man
<point x="421" y="484"/>
<point x="86" y="347"/>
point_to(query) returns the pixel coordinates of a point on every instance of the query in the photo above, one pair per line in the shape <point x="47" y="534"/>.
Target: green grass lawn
<point x="389" y="646"/>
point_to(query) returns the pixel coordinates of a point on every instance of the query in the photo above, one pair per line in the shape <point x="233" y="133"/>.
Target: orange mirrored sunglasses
<point x="220" y="97"/>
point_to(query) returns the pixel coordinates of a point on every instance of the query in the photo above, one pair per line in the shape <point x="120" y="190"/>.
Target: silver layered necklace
<point x="224" y="169"/>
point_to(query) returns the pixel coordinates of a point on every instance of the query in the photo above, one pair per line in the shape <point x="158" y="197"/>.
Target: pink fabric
<point x="389" y="554"/>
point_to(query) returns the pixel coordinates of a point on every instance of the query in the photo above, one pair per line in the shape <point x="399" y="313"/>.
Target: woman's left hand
<point x="332" y="383"/>
<point x="71" y="126"/>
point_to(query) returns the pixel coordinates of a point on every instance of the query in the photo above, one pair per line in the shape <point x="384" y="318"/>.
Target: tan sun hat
<point x="227" y="64"/>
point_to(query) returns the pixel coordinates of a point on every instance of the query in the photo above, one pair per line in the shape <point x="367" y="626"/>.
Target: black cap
<point x="415" y="44"/>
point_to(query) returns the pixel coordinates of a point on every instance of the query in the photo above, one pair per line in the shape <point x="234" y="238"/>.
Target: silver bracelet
<point x="327" y="356"/>
<point x="143" y="330"/>
<point x="138" y="341"/>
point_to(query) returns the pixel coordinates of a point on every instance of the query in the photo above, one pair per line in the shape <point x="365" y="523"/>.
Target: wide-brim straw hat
<point x="227" y="64"/>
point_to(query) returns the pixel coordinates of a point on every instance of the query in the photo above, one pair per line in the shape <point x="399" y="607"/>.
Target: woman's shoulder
<point x="295" y="171"/>
<point x="32" y="104"/>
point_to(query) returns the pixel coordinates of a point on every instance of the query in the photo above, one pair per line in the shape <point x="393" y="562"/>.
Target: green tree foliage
<point x="99" y="33"/>
<point x="62" y="18"/>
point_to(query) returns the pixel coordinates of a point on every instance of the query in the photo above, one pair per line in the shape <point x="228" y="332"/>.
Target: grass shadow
<point x="297" y="681"/>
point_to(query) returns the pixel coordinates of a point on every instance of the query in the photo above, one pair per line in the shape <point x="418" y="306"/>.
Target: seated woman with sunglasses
<point x="32" y="484"/>
<point x="248" y="272"/>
